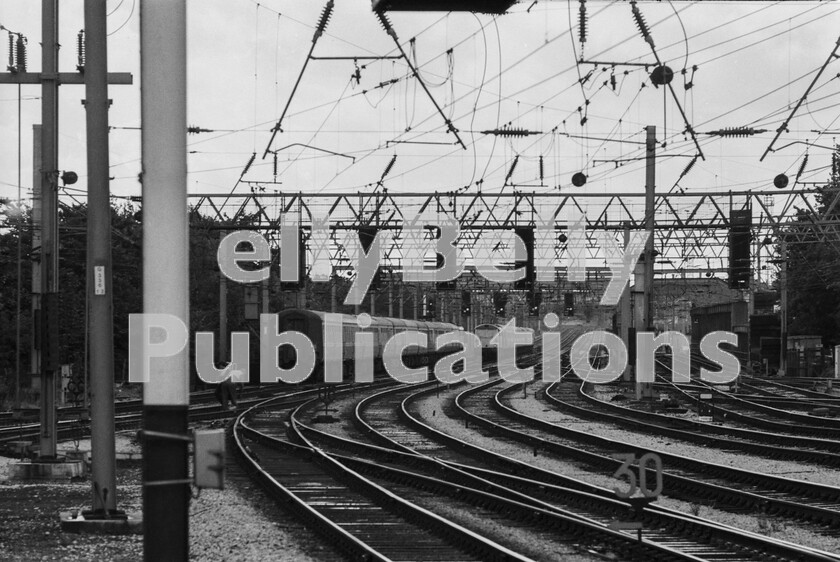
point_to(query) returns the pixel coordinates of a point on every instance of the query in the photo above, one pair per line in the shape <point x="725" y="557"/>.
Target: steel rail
<point x="683" y="486"/>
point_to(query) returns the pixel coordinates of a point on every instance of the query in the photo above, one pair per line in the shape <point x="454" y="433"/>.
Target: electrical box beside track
<point x="705" y="407"/>
<point x="210" y="459"/>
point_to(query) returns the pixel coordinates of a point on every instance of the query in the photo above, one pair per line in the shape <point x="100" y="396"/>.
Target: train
<point x="311" y="324"/>
<point x="486" y="333"/>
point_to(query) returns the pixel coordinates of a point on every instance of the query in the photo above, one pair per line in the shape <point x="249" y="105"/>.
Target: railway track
<point x="73" y="413"/>
<point x="771" y="445"/>
<point x="776" y="389"/>
<point x="789" y="399"/>
<point x="800" y="405"/>
<point x="776" y="421"/>
<point x="829" y="426"/>
<point x="793" y="386"/>
<point x="685" y="478"/>
<point x="409" y="475"/>
<point x="360" y="517"/>
<point x="203" y="408"/>
<point x="387" y="415"/>
<point x="758" y="414"/>
<point x="738" y="436"/>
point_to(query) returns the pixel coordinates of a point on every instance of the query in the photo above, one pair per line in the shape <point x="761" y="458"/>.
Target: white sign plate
<point x="99" y="280"/>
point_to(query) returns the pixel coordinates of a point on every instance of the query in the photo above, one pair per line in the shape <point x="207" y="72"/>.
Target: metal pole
<point x="99" y="286"/>
<point x="163" y="97"/>
<point x="784" y="307"/>
<point x="19" y="266"/>
<point x="626" y="310"/>
<point x="223" y="307"/>
<point x="266" y="308"/>
<point x="759" y="244"/>
<point x="49" y="225"/>
<point x="35" y="246"/>
<point x="650" y="197"/>
<point x="391" y="297"/>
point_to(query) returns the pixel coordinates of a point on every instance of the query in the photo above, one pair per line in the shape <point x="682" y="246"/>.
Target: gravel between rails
<point x="470" y="517"/>
<point x="605" y="393"/>
<point x="483" y="522"/>
<point x="342" y="409"/>
<point x="430" y="409"/>
<point x="238" y="523"/>
<point x="540" y="409"/>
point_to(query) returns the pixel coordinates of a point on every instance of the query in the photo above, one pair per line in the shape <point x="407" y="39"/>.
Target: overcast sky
<point x="754" y="60"/>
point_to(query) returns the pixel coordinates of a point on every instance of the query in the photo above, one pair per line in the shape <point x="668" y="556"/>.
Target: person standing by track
<point x="226" y="390"/>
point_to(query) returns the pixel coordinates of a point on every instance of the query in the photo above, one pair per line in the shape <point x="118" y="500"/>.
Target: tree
<point x="813" y="264"/>
<point x="16" y="223"/>
<point x="127" y="293"/>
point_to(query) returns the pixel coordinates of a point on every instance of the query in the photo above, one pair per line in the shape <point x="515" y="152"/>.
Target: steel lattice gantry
<point x="692" y="228"/>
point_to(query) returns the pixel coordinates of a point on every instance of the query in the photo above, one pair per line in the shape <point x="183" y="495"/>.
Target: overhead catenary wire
<point x="417" y="130"/>
<point x="385" y="84"/>
<point x="645" y="31"/>
<point x="513" y="65"/>
<point x="319" y="30"/>
<point x="386" y="24"/>
<point x="784" y="125"/>
<point x="127" y="19"/>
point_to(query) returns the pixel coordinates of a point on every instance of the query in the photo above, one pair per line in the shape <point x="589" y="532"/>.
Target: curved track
<point x="359" y="516"/>
<point x="726" y="437"/>
<point x="685" y="478"/>
<point x="387" y="414"/>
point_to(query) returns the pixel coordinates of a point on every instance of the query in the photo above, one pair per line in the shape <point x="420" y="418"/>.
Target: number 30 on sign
<point x="625" y="471"/>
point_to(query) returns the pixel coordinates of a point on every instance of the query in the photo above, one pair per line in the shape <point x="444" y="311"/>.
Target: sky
<point x="754" y="60"/>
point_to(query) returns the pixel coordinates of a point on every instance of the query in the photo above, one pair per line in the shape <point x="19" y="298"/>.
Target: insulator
<point x="641" y="24"/>
<point x="582" y="22"/>
<point x="388" y="167"/>
<point x="20" y="56"/>
<point x="386" y="25"/>
<point x="11" y="67"/>
<point x="542" y="169"/>
<point x="737" y="132"/>
<point x="248" y="165"/>
<point x="512" y="168"/>
<point x="80" y="50"/>
<point x="325" y="19"/>
<point x="275" y="166"/>
<point x="509" y="132"/>
<point x="801" y="168"/>
<point x="688" y="168"/>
